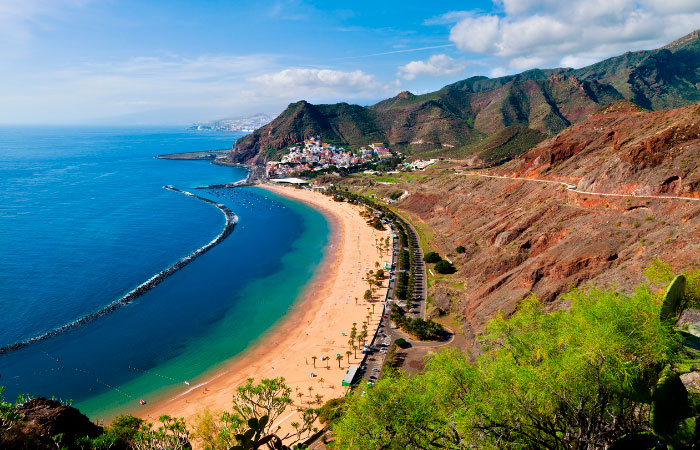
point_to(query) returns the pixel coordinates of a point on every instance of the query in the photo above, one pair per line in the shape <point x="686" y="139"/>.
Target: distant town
<point x="241" y="124"/>
<point x="316" y="155"/>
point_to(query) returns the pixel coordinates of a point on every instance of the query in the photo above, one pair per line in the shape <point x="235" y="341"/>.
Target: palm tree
<point x="319" y="399"/>
<point x="373" y="305"/>
<point x="348" y="353"/>
<point x="328" y="362"/>
<point x="339" y="358"/>
<point x="300" y="395"/>
<point x="356" y="300"/>
<point x="321" y="380"/>
<point x="354" y="347"/>
<point x="311" y="388"/>
<point x="376" y="264"/>
<point x="314" y="358"/>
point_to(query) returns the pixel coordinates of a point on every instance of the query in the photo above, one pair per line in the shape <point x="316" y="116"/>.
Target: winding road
<point x="572" y="188"/>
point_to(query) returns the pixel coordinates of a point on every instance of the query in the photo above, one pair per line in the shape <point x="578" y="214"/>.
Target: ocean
<point x="84" y="219"/>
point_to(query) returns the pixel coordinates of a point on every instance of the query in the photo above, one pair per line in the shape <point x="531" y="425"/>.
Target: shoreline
<point x="317" y="324"/>
<point x="231" y="221"/>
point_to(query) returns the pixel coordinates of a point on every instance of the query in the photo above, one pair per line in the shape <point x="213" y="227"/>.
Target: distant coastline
<point x="231" y="220"/>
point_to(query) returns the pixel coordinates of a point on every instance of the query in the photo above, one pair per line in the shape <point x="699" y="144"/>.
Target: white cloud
<point x="550" y="33"/>
<point x="175" y="89"/>
<point x="19" y="18"/>
<point x="448" y="18"/>
<point x="436" y="65"/>
<point x="302" y="82"/>
<point x="477" y="34"/>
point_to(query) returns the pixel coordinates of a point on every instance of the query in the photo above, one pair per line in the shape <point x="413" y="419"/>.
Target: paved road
<point x="573" y="188"/>
<point x="385" y="335"/>
<point x="420" y="289"/>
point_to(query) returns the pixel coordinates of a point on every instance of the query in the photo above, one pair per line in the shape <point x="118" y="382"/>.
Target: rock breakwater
<point x="231" y="220"/>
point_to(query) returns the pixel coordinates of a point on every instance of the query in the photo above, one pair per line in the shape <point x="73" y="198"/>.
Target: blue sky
<point x="158" y="62"/>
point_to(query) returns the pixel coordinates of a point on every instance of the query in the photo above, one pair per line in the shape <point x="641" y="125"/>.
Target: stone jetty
<point x="231" y="220"/>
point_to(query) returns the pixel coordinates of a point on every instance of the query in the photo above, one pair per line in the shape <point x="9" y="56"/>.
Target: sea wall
<point x="231" y="220"/>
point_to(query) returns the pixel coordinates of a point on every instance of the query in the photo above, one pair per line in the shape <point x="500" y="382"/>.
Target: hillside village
<point x="317" y="155"/>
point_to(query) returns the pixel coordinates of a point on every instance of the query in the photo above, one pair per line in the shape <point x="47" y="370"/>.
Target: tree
<point x="576" y="378"/>
<point x="445" y="267"/>
<point x="328" y="362"/>
<point x="460" y="249"/>
<point x="171" y="435"/>
<point x="347" y="354"/>
<point x="314" y="358"/>
<point x="368" y="295"/>
<point x="339" y="358"/>
<point x="432" y="257"/>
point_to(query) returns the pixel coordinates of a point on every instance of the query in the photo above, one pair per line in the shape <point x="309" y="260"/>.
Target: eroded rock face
<point x="621" y="149"/>
<point x="530" y="238"/>
<point x="43" y="420"/>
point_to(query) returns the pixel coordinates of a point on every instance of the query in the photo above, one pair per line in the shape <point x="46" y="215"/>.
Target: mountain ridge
<point x="468" y="111"/>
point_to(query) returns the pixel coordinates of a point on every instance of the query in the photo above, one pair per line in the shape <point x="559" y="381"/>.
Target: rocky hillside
<point x="465" y="113"/>
<point x="536" y="235"/>
<point x="47" y="424"/>
<point x="622" y="149"/>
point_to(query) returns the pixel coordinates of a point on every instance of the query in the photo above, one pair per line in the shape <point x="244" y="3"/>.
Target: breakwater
<point x="231" y="220"/>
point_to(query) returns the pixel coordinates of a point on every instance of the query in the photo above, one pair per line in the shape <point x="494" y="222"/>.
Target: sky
<point x="125" y="62"/>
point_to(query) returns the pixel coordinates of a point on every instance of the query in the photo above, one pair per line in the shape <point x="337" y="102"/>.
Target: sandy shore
<point x="319" y="324"/>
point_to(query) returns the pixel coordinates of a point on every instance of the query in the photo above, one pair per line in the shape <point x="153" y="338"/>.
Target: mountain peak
<point x="693" y="36"/>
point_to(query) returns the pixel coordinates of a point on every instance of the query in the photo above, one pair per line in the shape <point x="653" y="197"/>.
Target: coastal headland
<point x="317" y="326"/>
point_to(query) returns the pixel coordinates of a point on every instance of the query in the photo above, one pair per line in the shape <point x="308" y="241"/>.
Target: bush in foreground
<point x="580" y="378"/>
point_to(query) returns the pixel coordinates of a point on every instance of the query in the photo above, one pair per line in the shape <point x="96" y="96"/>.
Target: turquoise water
<point x="84" y="219"/>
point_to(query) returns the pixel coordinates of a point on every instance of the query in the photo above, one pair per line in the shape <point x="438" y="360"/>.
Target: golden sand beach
<point x="318" y="325"/>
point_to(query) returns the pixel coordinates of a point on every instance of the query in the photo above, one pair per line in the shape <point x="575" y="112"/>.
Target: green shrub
<point x="403" y="343"/>
<point x="432" y="257"/>
<point x="460" y="249"/>
<point x="545" y="379"/>
<point x="331" y="411"/>
<point x="445" y="267"/>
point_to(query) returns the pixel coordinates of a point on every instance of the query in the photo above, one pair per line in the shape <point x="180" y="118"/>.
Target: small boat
<point x="142" y="401"/>
<point x="187" y="383"/>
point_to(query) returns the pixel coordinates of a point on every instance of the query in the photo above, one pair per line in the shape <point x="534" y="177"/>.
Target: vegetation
<point x="432" y="257"/>
<point x="332" y="410"/>
<point x="603" y="372"/>
<point x="460" y="249"/>
<point x="444" y="267"/>
<point x="260" y="405"/>
<point x="424" y="330"/>
<point x="401" y="342"/>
